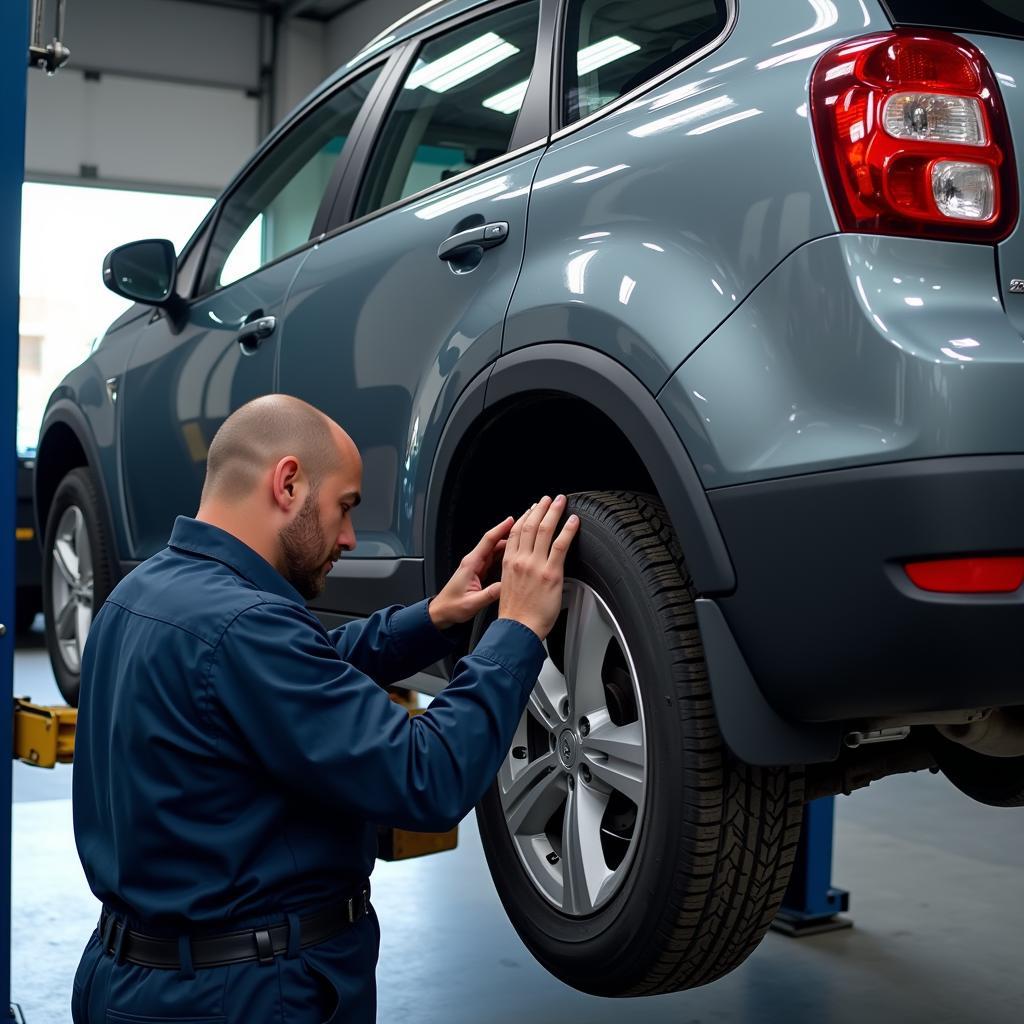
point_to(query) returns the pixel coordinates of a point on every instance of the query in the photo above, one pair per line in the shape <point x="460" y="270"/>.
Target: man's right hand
<point x="534" y="566"/>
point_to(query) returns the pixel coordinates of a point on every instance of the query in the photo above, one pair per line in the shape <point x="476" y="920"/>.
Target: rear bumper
<point x="823" y="613"/>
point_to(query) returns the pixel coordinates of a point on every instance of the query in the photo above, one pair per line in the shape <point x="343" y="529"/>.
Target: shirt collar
<point x="212" y="542"/>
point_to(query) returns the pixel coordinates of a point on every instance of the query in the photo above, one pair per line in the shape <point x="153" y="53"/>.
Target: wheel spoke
<point x="66" y="560"/>
<point x="586" y="640"/>
<point x="533" y="795"/>
<point x="82" y="545"/>
<point x="547" y="695"/>
<point x="583" y="866"/>
<point x="83" y="620"/>
<point x="65" y="622"/>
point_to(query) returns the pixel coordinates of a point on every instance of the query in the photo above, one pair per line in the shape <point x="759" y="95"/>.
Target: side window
<point x="612" y="47"/>
<point x="273" y="209"/>
<point x="456" y="108"/>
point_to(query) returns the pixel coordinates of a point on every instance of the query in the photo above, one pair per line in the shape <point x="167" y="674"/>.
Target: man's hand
<point x="464" y="594"/>
<point x="534" y="566"/>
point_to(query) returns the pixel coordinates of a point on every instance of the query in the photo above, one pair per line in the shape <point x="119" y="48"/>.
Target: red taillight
<point x="914" y="139"/>
<point x="995" y="575"/>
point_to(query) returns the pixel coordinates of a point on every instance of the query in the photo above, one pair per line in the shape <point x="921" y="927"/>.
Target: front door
<point x="181" y="384"/>
<point x="383" y="334"/>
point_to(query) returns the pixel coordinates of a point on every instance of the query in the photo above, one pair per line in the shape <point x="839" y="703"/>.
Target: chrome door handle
<point x="486" y="236"/>
<point x="250" y="336"/>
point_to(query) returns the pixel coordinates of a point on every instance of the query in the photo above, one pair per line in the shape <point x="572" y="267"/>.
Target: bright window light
<point x="595" y="56"/>
<point x="509" y="100"/>
<point x="462" y="63"/>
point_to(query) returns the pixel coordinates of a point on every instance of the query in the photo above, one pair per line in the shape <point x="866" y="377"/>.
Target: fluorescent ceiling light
<point x="595" y="56"/>
<point x="462" y="63"/>
<point x="509" y="100"/>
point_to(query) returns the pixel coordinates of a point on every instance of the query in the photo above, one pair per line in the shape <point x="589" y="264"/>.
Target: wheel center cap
<point x="567" y="749"/>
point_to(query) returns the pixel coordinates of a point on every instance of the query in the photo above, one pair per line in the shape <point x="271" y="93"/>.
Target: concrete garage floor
<point x="937" y="898"/>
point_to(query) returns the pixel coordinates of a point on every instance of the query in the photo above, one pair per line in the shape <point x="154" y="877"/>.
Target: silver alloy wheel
<point x="574" y="783"/>
<point x="71" y="586"/>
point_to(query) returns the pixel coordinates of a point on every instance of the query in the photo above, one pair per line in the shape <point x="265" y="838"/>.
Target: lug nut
<point x="584" y="727"/>
<point x="563" y="707"/>
<point x="519" y="753"/>
<point x="585" y="773"/>
<point x="572" y="782"/>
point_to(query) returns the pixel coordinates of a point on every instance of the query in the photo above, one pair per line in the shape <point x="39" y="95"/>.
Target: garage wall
<point x="163" y="94"/>
<point x="351" y="30"/>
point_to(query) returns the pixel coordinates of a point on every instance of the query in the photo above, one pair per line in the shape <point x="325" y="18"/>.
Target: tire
<point x="76" y="585"/>
<point x="709" y="851"/>
<point x="995" y="781"/>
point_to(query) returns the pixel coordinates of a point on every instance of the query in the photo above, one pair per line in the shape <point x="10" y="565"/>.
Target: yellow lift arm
<point x="45" y="736"/>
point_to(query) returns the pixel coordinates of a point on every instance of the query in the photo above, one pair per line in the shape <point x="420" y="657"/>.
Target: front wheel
<point x="78" y="574"/>
<point x="633" y="854"/>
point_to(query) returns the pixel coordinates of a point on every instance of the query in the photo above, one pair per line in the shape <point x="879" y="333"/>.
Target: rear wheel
<point x="78" y="574"/>
<point x="632" y="852"/>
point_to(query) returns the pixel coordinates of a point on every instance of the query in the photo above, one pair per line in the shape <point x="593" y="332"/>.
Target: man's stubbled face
<point x="308" y="555"/>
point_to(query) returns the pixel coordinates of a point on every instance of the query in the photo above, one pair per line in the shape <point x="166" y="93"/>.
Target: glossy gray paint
<point x="651" y="224"/>
<point x="179" y="386"/>
<point x="857" y="350"/>
<point x="1007" y="59"/>
<point x="384" y="336"/>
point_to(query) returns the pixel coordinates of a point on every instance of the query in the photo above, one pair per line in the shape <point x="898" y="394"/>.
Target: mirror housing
<point x="142" y="271"/>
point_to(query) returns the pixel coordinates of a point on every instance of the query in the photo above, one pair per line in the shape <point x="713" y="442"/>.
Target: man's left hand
<point x="464" y="595"/>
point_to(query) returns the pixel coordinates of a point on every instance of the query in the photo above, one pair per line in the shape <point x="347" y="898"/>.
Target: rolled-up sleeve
<point x="318" y="722"/>
<point x="393" y="643"/>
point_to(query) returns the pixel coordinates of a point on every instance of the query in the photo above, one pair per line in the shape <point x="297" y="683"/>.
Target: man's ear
<point x="284" y="482"/>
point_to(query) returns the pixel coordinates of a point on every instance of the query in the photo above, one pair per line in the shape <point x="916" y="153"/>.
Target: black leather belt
<point x="236" y="947"/>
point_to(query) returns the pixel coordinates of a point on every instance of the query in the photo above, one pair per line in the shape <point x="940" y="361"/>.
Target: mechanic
<point x="233" y="757"/>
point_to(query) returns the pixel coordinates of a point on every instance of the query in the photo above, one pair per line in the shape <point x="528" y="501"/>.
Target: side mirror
<point x="142" y="271"/>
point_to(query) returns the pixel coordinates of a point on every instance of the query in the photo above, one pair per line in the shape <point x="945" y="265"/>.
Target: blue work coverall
<point x="232" y="760"/>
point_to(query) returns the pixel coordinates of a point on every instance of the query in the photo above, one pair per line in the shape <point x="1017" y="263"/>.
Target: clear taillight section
<point x="914" y="138"/>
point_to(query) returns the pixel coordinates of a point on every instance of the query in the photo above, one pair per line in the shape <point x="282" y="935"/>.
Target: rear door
<point x="996" y="27"/>
<point x="182" y="381"/>
<point x="384" y="335"/>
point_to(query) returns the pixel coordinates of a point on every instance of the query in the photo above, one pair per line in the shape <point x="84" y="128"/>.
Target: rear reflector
<point x="997" y="575"/>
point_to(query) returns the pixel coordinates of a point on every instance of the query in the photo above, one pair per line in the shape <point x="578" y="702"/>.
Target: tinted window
<point x="1005" y="17"/>
<point x="613" y="46"/>
<point x="272" y="211"/>
<point x="456" y="108"/>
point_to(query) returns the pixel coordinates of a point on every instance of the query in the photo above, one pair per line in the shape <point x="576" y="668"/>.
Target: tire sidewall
<point x="626" y="923"/>
<point x="77" y="488"/>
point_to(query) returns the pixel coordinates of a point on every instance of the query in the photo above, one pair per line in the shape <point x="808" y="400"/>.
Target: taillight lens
<point x="914" y="138"/>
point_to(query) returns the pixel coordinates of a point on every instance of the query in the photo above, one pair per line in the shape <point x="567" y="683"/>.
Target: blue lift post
<point x="13" y="71"/>
<point x="811" y="904"/>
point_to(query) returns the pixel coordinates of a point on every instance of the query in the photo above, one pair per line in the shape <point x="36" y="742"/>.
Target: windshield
<point x="1003" y="17"/>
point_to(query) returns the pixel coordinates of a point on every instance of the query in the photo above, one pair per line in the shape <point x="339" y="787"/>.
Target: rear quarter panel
<point x="650" y="225"/>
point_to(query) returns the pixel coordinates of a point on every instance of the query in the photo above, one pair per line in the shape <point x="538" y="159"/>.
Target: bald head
<point x="258" y="435"/>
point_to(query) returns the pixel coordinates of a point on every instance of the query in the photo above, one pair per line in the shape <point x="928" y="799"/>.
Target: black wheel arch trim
<point x="752" y="729"/>
<point x="606" y="384"/>
<point x="67" y="413"/>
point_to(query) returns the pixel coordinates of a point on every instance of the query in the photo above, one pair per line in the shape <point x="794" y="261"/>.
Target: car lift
<point x="811" y="904"/>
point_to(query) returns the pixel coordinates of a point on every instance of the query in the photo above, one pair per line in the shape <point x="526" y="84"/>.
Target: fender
<point x="595" y="378"/>
<point x="65" y="412"/>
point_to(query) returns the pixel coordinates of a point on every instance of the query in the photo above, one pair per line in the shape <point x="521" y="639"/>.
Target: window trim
<point x="537" y="99"/>
<point x="557" y="111"/>
<point x="277" y="137"/>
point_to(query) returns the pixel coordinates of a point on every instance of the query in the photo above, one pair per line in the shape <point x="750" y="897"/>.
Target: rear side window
<point x="613" y="46"/>
<point x="1003" y="17"/>
<point x="456" y="108"/>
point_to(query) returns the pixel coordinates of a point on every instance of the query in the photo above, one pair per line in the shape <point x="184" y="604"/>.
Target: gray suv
<point x="741" y="276"/>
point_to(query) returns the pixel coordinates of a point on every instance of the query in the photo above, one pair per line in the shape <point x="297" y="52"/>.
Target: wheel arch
<point x="66" y="443"/>
<point x="529" y="398"/>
